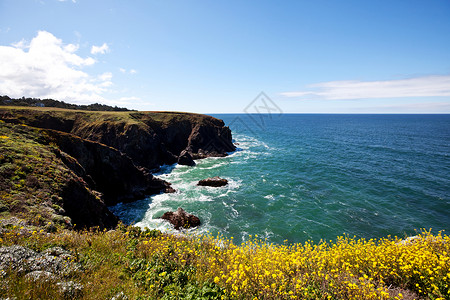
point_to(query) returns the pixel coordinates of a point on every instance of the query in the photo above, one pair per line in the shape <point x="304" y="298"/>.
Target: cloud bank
<point x="47" y="68"/>
<point x="427" y="86"/>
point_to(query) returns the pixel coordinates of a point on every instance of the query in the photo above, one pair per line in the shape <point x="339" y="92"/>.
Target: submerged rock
<point x="186" y="159"/>
<point x="213" y="181"/>
<point x="181" y="219"/>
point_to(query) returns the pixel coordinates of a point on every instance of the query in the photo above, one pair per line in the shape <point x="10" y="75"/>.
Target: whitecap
<point x="269" y="197"/>
<point x="267" y="234"/>
<point x="215" y="166"/>
<point x="234" y="184"/>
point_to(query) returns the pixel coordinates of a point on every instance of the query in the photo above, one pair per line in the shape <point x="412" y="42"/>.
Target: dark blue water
<point x="299" y="176"/>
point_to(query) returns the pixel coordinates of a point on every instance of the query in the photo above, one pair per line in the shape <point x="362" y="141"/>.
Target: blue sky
<point x="217" y="56"/>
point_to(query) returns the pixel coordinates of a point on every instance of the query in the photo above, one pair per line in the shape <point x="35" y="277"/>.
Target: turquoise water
<point x="296" y="177"/>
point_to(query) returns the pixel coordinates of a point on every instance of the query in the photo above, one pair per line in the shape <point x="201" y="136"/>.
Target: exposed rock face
<point x="152" y="143"/>
<point x="213" y="181"/>
<point x="185" y="159"/>
<point x="108" y="170"/>
<point x="111" y="155"/>
<point x="181" y="219"/>
<point x="50" y="265"/>
<point x="206" y="141"/>
<point x="150" y="139"/>
<point x="85" y="208"/>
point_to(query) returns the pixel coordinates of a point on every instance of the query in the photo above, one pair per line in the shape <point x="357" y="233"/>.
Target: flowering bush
<point x="345" y="269"/>
<point x="151" y="265"/>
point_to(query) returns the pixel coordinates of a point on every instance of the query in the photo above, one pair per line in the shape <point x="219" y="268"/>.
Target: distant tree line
<point x="5" y="100"/>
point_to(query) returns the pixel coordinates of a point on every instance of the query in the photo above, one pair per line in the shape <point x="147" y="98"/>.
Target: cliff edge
<point x="106" y="158"/>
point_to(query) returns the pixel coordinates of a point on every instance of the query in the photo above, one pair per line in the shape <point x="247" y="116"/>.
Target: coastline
<point x="109" y="155"/>
<point x="129" y="262"/>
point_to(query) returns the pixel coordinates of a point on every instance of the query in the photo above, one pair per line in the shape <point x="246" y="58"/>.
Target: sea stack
<point x="181" y="219"/>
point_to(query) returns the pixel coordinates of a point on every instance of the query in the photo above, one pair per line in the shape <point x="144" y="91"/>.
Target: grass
<point x="151" y="265"/>
<point x="31" y="176"/>
<point x="81" y="118"/>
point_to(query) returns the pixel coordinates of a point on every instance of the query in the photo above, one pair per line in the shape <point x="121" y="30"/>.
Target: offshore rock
<point x="186" y="159"/>
<point x="213" y="181"/>
<point x="181" y="219"/>
<point x="108" y="157"/>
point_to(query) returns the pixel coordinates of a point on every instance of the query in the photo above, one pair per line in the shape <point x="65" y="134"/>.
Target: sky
<point x="386" y="56"/>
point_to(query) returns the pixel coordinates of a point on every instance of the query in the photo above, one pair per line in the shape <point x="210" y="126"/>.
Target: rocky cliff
<point x="150" y="139"/>
<point x="109" y="155"/>
<point x="43" y="185"/>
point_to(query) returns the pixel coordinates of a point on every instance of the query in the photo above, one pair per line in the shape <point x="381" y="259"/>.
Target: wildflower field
<point x="151" y="265"/>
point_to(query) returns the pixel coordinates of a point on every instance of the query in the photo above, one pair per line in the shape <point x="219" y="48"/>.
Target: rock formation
<point x="185" y="159"/>
<point x="54" y="260"/>
<point x="213" y="181"/>
<point x="108" y="157"/>
<point x="53" y="264"/>
<point x="181" y="219"/>
<point x="150" y="139"/>
<point x="108" y="170"/>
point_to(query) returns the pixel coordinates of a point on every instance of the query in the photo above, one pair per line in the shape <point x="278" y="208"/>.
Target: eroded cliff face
<point x="106" y="169"/>
<point x="44" y="185"/>
<point x="150" y="139"/>
<point x="111" y="155"/>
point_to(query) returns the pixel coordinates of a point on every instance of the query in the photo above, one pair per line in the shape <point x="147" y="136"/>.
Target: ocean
<point x="299" y="177"/>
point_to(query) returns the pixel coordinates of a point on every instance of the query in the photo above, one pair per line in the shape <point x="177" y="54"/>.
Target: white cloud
<point x="131" y="71"/>
<point x="427" y="86"/>
<point x="105" y="76"/>
<point x="22" y="44"/>
<point x="71" y="48"/>
<point x="47" y="68"/>
<point x="100" y="49"/>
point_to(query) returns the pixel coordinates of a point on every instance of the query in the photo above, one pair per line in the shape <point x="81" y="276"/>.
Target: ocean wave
<point x="233" y="212"/>
<point x="213" y="166"/>
<point x="245" y="142"/>
<point x="190" y="196"/>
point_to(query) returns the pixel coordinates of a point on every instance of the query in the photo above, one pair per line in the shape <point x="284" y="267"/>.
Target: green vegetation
<point x="128" y="263"/>
<point x="76" y="120"/>
<point x="37" y="177"/>
<point x="32" y="177"/>
<point x="151" y="265"/>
